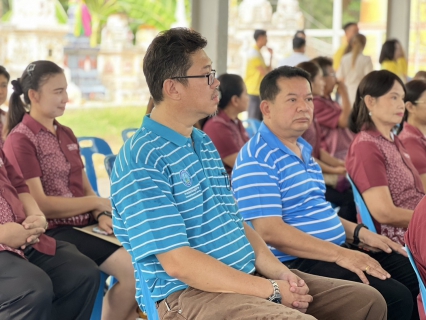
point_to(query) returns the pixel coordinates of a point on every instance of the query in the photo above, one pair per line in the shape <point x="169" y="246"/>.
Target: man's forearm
<point x="204" y="272"/>
<point x="266" y="263"/>
<point x="30" y="205"/>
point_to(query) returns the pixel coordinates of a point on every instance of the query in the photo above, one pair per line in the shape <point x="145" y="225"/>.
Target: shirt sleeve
<point x="221" y="135"/>
<point x="256" y="189"/>
<point x="366" y="166"/>
<point x="22" y="154"/>
<point x="146" y="225"/>
<point x="325" y="114"/>
<point x="15" y="176"/>
<point x="417" y="153"/>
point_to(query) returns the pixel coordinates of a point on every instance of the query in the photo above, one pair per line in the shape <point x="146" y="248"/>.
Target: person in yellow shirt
<point x="392" y="58"/>
<point x="255" y="71"/>
<point x="351" y="29"/>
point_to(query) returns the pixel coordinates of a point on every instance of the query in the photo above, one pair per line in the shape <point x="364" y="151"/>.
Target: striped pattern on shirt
<point x="269" y="180"/>
<point x="169" y="192"/>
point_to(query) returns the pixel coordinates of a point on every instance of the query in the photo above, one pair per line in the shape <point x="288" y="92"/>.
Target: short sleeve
<point x="366" y="166"/>
<point x="221" y="135"/>
<point x="15" y="176"/>
<point x="256" y="190"/>
<point x="22" y="154"/>
<point x="325" y="114"/>
<point x="417" y="152"/>
<point x="147" y="225"/>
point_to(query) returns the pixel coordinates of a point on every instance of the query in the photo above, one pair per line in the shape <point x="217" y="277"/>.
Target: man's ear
<point x="265" y="107"/>
<point x="171" y="89"/>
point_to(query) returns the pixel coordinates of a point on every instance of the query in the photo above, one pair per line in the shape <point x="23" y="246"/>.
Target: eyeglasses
<point x="210" y="77"/>
<point x="419" y="101"/>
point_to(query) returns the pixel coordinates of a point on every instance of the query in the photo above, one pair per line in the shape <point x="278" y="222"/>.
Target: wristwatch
<point x="356" y="232"/>
<point x="104" y="213"/>
<point x="276" y="296"/>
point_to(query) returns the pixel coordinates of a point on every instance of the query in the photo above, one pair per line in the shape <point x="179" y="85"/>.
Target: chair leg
<point x="97" y="308"/>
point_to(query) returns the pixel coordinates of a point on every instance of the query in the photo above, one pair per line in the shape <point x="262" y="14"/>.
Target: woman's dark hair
<point x="230" y="85"/>
<point x="414" y="90"/>
<point x="323" y="62"/>
<point x="388" y="50"/>
<point x="3" y="72"/>
<point x="310" y="67"/>
<point x="34" y="76"/>
<point x="375" y="84"/>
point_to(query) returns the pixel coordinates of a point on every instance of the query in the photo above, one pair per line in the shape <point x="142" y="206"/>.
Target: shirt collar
<point x="171" y="135"/>
<point x="36" y="126"/>
<point x="413" y="130"/>
<point x="273" y="142"/>
<point x="222" y="114"/>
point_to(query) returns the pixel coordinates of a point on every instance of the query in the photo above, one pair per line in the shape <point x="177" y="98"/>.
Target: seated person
<point x="377" y="161"/>
<point x="414" y="128"/>
<point x="40" y="278"/>
<point x="333" y="169"/>
<point x="48" y="156"/>
<point x="225" y="129"/>
<point x="280" y="190"/>
<point x="332" y="117"/>
<point x="415" y="239"/>
<point x="175" y="213"/>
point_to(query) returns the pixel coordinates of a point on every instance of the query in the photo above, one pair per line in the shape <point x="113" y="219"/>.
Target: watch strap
<point x="276" y="296"/>
<point x="104" y="213"/>
<point x="356" y="232"/>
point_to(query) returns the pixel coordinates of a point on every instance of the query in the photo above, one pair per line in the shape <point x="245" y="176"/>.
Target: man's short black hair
<point x="299" y="32"/>
<point x="258" y="33"/>
<point x="323" y="62"/>
<point x="169" y="55"/>
<point x="269" y="88"/>
<point x="348" y="25"/>
<point x="298" y="43"/>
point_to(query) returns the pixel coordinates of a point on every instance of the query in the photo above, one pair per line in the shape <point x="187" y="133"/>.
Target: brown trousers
<point x="333" y="299"/>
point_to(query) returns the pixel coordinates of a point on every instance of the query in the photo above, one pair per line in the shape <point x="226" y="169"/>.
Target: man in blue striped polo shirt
<point x="174" y="212"/>
<point x="280" y="189"/>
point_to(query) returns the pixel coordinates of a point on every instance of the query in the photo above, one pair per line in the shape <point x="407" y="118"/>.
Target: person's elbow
<point x="173" y="262"/>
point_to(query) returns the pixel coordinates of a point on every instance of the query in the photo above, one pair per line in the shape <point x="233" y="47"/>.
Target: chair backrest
<point x="251" y="126"/>
<point x="149" y="305"/>
<point x="362" y="208"/>
<point x="127" y="133"/>
<point x="88" y="147"/>
<point x="419" y="278"/>
<point x="109" y="163"/>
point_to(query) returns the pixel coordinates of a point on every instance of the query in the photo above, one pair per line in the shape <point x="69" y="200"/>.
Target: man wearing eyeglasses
<point x="174" y="212"/>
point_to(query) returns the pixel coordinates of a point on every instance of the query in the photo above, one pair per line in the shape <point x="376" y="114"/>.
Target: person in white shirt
<point x="354" y="65"/>
<point x="298" y="56"/>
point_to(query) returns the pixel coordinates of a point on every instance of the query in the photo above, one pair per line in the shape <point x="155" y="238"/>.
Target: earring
<point x="369" y="113"/>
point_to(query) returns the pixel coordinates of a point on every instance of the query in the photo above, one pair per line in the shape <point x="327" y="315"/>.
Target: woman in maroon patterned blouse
<point x="377" y="161"/>
<point x="48" y="156"/>
<point x="413" y="134"/>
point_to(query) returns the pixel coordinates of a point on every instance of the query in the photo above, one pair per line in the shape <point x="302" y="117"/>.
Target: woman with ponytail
<point x="48" y="156"/>
<point x="413" y="134"/>
<point x="354" y="65"/>
<point x="377" y="161"/>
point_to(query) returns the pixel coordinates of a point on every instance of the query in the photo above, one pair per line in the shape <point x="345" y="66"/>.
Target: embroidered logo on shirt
<point x="72" y="147"/>
<point x="185" y="178"/>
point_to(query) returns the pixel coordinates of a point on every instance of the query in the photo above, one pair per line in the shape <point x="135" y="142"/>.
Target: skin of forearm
<point x="329" y="159"/>
<point x="205" y="273"/>
<point x="61" y="207"/>
<point x="30" y="205"/>
<point x="325" y="168"/>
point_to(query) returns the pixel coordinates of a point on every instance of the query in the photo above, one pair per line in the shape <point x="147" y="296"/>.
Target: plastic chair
<point x="97" y="307"/>
<point x="362" y="208"/>
<point x="419" y="278"/>
<point x="127" y="133"/>
<point x="251" y="126"/>
<point x="109" y="163"/>
<point x="88" y="147"/>
<point x="149" y="308"/>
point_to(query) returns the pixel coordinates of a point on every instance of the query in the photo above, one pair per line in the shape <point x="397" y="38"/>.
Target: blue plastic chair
<point x="419" y="278"/>
<point x="109" y="163"/>
<point x="251" y="126"/>
<point x="97" y="307"/>
<point x="88" y="147"/>
<point x="127" y="133"/>
<point x="149" y="305"/>
<point x="362" y="208"/>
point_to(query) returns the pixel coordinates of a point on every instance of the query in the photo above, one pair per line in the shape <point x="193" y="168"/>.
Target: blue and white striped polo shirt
<point x="270" y="180"/>
<point x="168" y="192"/>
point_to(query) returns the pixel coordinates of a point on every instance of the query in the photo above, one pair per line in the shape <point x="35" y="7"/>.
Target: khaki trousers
<point x="333" y="299"/>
